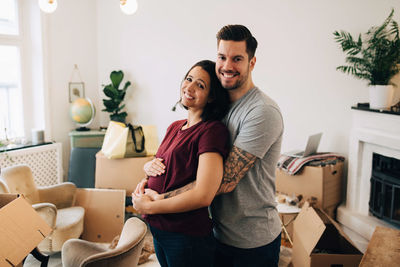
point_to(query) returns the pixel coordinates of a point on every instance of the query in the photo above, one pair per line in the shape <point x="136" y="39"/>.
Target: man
<point x="247" y="224"/>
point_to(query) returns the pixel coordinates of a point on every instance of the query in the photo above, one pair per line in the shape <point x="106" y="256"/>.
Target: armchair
<point x="55" y="204"/>
<point x="3" y="187"/>
<point x="77" y="252"/>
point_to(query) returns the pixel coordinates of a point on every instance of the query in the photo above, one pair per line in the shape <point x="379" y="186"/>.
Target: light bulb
<point x="129" y="7"/>
<point x="48" y="6"/>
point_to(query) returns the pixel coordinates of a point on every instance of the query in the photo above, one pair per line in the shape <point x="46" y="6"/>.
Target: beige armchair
<point x="55" y="204"/>
<point x="3" y="187"/>
<point x="76" y="252"/>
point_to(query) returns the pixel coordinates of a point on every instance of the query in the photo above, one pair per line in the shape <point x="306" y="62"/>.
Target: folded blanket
<point x="292" y="165"/>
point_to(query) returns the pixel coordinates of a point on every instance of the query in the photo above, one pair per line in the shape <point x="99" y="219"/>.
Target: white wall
<point x="70" y="38"/>
<point x="296" y="57"/>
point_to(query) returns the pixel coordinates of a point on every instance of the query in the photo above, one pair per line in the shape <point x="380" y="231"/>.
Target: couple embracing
<point x="210" y="193"/>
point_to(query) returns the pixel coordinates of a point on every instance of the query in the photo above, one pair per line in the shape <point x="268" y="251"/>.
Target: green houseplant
<point x="373" y="57"/>
<point x="116" y="96"/>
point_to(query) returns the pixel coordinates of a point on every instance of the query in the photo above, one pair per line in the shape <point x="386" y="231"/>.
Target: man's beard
<point x="238" y="83"/>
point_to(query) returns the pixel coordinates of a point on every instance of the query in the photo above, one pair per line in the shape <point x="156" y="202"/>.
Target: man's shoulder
<point x="259" y="102"/>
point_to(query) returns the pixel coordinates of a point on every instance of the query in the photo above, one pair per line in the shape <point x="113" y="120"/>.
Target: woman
<point x="192" y="149"/>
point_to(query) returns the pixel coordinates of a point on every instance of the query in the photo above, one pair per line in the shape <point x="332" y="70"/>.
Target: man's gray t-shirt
<point x="247" y="216"/>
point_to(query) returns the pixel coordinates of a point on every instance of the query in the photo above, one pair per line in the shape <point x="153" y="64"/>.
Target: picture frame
<point x="76" y="90"/>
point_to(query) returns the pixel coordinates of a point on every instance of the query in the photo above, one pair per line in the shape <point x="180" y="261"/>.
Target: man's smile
<point x="229" y="74"/>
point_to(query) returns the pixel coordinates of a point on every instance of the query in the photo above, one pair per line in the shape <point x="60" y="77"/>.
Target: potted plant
<point x="114" y="104"/>
<point x="373" y="57"/>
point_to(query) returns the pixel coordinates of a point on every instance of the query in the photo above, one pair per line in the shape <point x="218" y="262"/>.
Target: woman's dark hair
<point x="218" y="107"/>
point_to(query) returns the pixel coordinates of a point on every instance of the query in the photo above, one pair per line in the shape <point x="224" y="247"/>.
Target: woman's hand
<point x="141" y="203"/>
<point x="141" y="187"/>
<point x="153" y="194"/>
<point x="154" y="167"/>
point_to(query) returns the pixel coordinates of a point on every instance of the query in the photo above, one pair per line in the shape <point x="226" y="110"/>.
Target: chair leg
<point x="44" y="259"/>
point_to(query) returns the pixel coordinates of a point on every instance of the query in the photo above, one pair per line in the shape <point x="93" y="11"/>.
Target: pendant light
<point x="129" y="7"/>
<point x="48" y="6"/>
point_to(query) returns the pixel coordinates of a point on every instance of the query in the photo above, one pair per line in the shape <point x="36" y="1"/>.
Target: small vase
<point x="380" y="96"/>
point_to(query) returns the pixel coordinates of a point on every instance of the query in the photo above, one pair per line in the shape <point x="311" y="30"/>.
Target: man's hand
<point x="153" y="194"/>
<point x="141" y="203"/>
<point x="154" y="167"/>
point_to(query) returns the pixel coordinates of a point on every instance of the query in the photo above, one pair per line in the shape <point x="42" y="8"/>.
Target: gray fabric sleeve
<point x="261" y="128"/>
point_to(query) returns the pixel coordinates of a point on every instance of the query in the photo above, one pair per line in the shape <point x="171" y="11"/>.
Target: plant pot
<point x="380" y="96"/>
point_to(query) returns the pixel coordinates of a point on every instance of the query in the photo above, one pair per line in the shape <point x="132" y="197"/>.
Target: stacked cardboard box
<point x="324" y="183"/>
<point x="123" y="173"/>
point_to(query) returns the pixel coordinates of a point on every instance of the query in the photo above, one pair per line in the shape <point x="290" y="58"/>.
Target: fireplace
<point x="372" y="133"/>
<point x="384" y="199"/>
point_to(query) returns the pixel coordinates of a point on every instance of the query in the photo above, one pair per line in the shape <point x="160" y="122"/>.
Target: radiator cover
<point x="45" y="162"/>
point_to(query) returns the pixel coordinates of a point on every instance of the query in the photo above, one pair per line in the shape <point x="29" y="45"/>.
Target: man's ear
<point x="252" y="63"/>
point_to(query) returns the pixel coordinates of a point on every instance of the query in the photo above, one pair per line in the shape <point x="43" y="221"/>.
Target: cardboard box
<point x="383" y="248"/>
<point x="287" y="220"/>
<point x="21" y="229"/>
<point x="104" y="213"/>
<point x="324" y="183"/>
<point x="119" y="173"/>
<point x="318" y="244"/>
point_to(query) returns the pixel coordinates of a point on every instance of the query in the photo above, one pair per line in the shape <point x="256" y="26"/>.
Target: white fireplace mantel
<point x="371" y="132"/>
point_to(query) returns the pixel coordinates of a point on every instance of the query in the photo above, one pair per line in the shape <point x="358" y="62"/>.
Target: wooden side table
<point x="287" y="210"/>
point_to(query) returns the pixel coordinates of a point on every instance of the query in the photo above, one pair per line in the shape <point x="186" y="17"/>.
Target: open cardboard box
<point x="104" y="213"/>
<point x="123" y="173"/>
<point x="21" y="229"/>
<point x="318" y="244"/>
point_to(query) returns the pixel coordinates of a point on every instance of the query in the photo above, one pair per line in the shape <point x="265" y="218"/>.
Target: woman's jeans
<point x="180" y="250"/>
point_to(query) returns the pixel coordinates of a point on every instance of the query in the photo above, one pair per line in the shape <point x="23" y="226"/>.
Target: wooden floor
<point x="383" y="248"/>
<point x="55" y="260"/>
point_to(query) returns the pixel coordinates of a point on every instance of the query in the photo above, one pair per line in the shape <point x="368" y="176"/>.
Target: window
<point x="11" y="111"/>
<point x="8" y="17"/>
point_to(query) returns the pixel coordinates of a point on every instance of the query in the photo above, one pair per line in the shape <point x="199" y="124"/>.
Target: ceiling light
<point x="48" y="6"/>
<point x="129" y="7"/>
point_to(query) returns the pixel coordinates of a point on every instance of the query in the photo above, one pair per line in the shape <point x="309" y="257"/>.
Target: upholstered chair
<point x="3" y="187"/>
<point x="55" y="204"/>
<point x="77" y="252"/>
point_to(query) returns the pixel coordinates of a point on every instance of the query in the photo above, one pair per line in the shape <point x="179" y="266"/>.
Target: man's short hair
<point x="238" y="33"/>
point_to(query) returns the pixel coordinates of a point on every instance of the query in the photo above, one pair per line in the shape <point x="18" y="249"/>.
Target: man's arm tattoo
<point x="236" y="166"/>
<point x="179" y="190"/>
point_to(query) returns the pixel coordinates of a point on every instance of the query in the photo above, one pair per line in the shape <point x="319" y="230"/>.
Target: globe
<point x="82" y="112"/>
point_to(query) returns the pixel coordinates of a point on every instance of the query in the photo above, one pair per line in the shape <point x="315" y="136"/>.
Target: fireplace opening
<point x="384" y="200"/>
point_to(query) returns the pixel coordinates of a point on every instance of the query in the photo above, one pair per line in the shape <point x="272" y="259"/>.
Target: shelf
<point x="365" y="107"/>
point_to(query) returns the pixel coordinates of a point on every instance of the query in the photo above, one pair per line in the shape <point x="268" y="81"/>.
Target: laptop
<point x="311" y="147"/>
